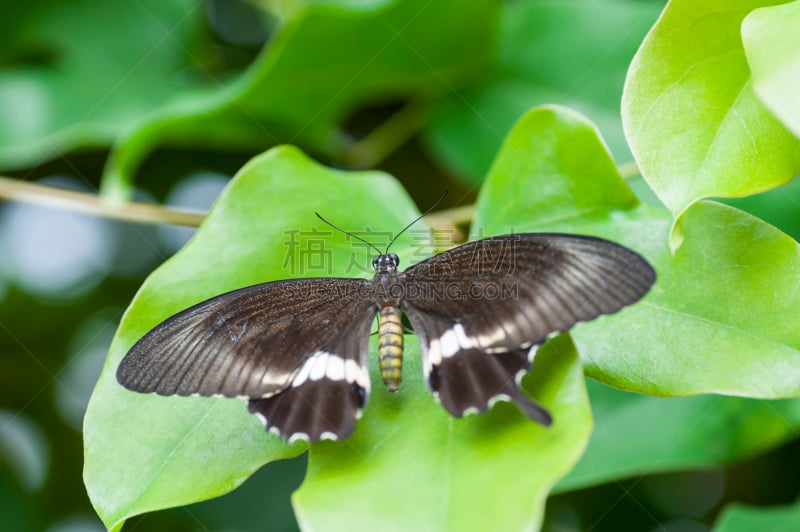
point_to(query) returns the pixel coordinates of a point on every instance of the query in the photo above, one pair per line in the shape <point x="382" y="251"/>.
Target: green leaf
<point x="144" y="452"/>
<point x="424" y="470"/>
<point x="553" y="167"/>
<point x="690" y="115"/>
<point x="772" y="45"/>
<point x="669" y="434"/>
<point x="721" y="316"/>
<point x="79" y="73"/>
<point x="741" y="518"/>
<point x="323" y="63"/>
<point x="542" y="60"/>
<point x="721" y="319"/>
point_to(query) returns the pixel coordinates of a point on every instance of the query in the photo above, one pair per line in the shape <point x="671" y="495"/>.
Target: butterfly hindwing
<point x="301" y="344"/>
<point x="328" y="394"/>
<point x="467" y="378"/>
<point x="481" y="309"/>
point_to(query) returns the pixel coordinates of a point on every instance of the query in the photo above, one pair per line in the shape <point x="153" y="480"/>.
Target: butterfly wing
<point x="297" y="349"/>
<point x="481" y="309"/>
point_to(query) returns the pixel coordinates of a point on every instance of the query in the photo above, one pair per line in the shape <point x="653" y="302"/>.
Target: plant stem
<point x="447" y="221"/>
<point x="85" y="202"/>
<point x="14" y="189"/>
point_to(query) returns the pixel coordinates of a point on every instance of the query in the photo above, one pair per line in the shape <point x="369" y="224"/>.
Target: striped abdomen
<point x="390" y="348"/>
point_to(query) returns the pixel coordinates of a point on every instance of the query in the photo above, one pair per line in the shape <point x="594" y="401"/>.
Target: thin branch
<point x="387" y="137"/>
<point x="447" y="222"/>
<point x="85" y="202"/>
<point x="449" y="218"/>
<point x="443" y="221"/>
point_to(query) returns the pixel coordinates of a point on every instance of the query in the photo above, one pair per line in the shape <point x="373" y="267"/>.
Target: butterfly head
<point x="386" y="263"/>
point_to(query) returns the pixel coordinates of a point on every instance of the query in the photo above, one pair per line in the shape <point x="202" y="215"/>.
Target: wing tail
<point x="473" y="381"/>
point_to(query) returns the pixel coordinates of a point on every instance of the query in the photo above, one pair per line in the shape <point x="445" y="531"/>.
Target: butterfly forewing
<point x="258" y="341"/>
<point x="479" y="307"/>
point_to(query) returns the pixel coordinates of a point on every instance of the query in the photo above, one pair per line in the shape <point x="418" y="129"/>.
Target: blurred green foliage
<point x="164" y="101"/>
<point x="726" y="142"/>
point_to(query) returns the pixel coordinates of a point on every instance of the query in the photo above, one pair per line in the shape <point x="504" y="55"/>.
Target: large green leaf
<point x="423" y="470"/>
<point x="324" y="62"/>
<point x="772" y="44"/>
<point x="721" y="316"/>
<point x="677" y="433"/>
<point x="144" y="452"/>
<point x="721" y="319"/>
<point x="575" y="53"/>
<point x="741" y="518"/>
<point x="690" y="114"/>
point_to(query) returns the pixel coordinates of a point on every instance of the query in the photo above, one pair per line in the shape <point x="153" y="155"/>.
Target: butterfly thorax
<point x="388" y="293"/>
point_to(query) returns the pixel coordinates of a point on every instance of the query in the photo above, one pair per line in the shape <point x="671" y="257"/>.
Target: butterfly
<point x="298" y="349"/>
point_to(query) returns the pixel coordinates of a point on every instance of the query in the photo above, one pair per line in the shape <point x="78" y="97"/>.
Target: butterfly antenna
<point x="348" y="233"/>
<point x="418" y="218"/>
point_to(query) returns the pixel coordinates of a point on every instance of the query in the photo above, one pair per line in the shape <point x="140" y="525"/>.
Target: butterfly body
<point x="298" y="349"/>
<point x="390" y="347"/>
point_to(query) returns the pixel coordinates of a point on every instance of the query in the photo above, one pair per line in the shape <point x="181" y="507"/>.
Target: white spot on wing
<point x="455" y="340"/>
<point x="461" y="336"/>
<point x="297" y="436"/>
<point x="496" y="350"/>
<point x="471" y="410"/>
<point x="272" y="379"/>
<point x="353" y="372"/>
<point x="434" y="355"/>
<point x="495" y="337"/>
<point x="448" y="344"/>
<point x="328" y="436"/>
<point x="335" y="370"/>
<point x="319" y="365"/>
<point x="532" y="353"/>
<point x="501" y="397"/>
<point x="451" y="342"/>
<point x="305" y="372"/>
<point x="427" y="363"/>
<point x="261" y="418"/>
<point x="327" y="365"/>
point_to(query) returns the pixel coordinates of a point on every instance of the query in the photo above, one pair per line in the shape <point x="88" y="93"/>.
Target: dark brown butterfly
<point x="297" y="349"/>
